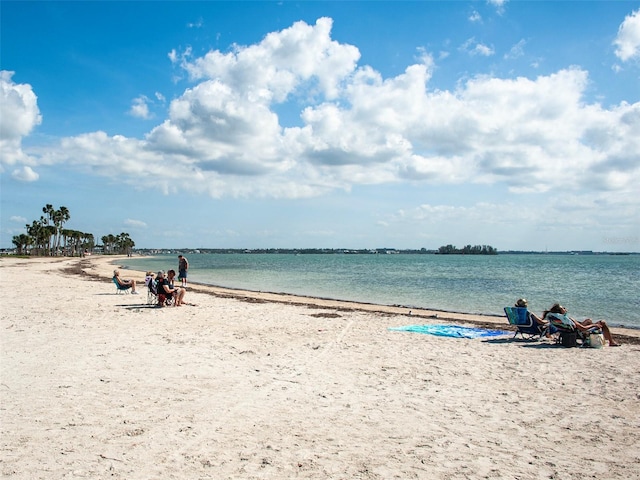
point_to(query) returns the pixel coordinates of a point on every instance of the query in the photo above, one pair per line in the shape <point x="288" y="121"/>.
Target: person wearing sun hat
<point x="542" y="325"/>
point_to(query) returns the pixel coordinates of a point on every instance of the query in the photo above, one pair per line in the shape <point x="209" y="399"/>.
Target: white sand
<point x="96" y="385"/>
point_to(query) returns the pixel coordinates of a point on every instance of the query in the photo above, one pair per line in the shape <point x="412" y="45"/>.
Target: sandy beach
<point x="245" y="385"/>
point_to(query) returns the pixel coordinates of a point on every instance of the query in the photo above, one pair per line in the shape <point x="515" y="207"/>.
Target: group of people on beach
<point x="163" y="285"/>
<point x="165" y="288"/>
<point x="559" y="312"/>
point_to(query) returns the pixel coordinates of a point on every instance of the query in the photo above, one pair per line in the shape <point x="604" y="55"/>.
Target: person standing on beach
<point x="183" y="266"/>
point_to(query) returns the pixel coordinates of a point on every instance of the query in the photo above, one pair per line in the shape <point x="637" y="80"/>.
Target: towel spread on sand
<point x="450" y="331"/>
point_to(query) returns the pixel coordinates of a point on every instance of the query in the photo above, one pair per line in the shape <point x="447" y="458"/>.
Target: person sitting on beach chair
<point x="152" y="290"/>
<point x="165" y="290"/>
<point x="527" y="323"/>
<point x="152" y="293"/>
<point x="124" y="285"/>
<point x="558" y="314"/>
<point x="171" y="275"/>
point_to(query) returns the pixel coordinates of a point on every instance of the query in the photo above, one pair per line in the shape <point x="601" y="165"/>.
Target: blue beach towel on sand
<point x="450" y="331"/>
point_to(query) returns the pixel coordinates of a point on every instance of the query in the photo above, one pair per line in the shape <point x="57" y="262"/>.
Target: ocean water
<point x="589" y="286"/>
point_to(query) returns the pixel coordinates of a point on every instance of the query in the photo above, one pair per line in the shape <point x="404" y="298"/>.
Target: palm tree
<point x="71" y="238"/>
<point x="59" y="217"/>
<point x="49" y="210"/>
<point x="109" y="242"/>
<point x="46" y="222"/>
<point x="87" y="242"/>
<point x="75" y="241"/>
<point x="124" y="243"/>
<point x="66" y="237"/>
<point x="21" y="242"/>
<point x="41" y="234"/>
<point x="47" y="236"/>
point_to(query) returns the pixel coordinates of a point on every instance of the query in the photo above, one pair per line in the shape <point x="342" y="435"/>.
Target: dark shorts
<point x="182" y="274"/>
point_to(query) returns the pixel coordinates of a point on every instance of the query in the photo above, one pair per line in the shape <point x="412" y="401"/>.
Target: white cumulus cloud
<point x="223" y="135"/>
<point x="627" y="41"/>
<point x="275" y="67"/>
<point x="20" y="115"/>
<point x="140" y="107"/>
<point x="25" y="174"/>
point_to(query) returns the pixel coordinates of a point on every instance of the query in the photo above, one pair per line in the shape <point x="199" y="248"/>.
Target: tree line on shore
<point x="449" y="249"/>
<point x="468" y="250"/>
<point x="48" y="237"/>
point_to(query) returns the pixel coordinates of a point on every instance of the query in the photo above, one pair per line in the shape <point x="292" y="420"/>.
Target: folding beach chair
<point x="153" y="298"/>
<point x="152" y="292"/>
<point x="568" y="332"/>
<point x="121" y="288"/>
<point x="525" y="325"/>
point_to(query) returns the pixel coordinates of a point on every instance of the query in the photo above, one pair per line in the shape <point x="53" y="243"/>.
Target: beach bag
<point x="596" y="340"/>
<point x="569" y="339"/>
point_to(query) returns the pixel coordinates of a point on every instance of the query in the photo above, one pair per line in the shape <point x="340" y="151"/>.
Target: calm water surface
<point x="596" y="286"/>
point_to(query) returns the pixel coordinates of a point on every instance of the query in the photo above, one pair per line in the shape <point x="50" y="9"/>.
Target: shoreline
<point x="96" y="384"/>
<point x="626" y="334"/>
<point x="461" y="308"/>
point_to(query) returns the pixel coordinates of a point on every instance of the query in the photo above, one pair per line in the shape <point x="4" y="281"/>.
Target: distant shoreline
<point x="348" y="251"/>
<point x="4" y="252"/>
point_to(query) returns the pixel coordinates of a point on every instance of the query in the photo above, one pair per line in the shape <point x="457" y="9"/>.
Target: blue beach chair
<point x="121" y="288"/>
<point x="525" y="325"/>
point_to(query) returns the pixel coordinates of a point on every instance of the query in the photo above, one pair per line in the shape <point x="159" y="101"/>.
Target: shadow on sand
<point x="523" y="343"/>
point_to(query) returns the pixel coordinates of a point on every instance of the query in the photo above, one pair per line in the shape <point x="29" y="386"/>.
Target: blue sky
<point x="325" y="124"/>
